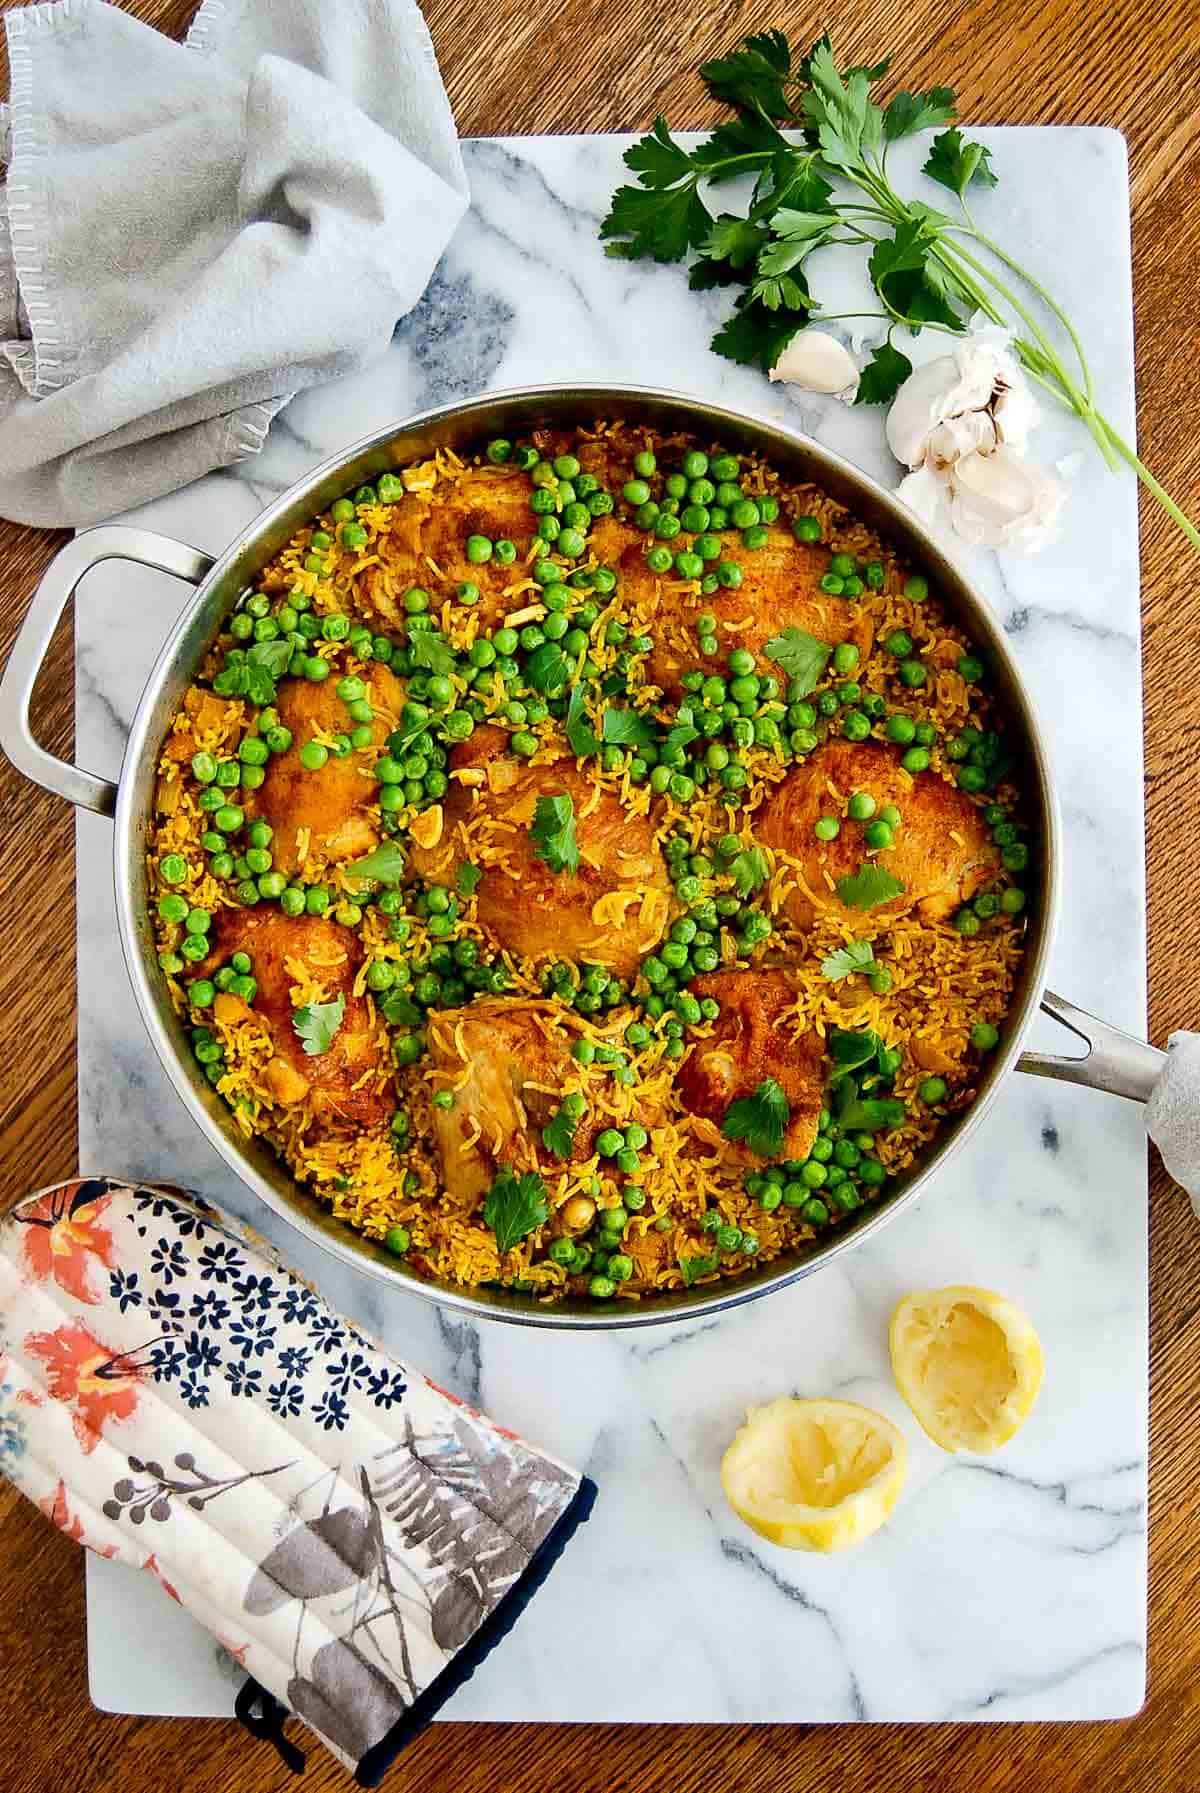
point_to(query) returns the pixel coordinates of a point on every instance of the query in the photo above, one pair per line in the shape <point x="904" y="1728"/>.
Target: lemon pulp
<point x="814" y="1475"/>
<point x="969" y="1364"/>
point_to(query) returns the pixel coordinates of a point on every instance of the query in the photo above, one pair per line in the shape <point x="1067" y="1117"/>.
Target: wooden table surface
<point x="1133" y="64"/>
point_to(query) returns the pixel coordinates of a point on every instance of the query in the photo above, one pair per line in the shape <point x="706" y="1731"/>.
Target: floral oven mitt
<point x="172" y="1396"/>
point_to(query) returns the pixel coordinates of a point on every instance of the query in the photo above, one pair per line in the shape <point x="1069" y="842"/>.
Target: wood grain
<point x="1132" y="64"/>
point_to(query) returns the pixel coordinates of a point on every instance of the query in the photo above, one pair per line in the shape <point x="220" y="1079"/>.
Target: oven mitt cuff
<point x="1173" y="1113"/>
<point x="172" y="1396"/>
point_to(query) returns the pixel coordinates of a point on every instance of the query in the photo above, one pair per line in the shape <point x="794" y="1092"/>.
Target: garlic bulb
<point x="818" y="362"/>
<point x="960" y="424"/>
<point x="977" y="388"/>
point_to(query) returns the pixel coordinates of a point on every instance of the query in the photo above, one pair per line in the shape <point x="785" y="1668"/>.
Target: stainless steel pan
<point x="1109" y="1060"/>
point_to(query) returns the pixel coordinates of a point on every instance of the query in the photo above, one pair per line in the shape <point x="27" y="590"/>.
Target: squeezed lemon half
<point x="814" y="1475"/>
<point x="968" y="1363"/>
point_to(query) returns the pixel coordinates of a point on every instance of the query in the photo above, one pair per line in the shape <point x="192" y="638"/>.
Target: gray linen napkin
<point x="190" y="233"/>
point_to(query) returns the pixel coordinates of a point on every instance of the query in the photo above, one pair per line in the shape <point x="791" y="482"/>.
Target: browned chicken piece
<point x="750" y="1042"/>
<point x="780" y="590"/>
<point x="498" y="1114"/>
<point x="490" y="501"/>
<point x="941" y="854"/>
<point x="330" y="955"/>
<point x="329" y="804"/>
<point x="609" y="912"/>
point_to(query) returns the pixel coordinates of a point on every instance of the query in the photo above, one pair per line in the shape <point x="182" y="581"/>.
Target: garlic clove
<point x="972" y="433"/>
<point x="926" y="493"/>
<point x="1001" y="501"/>
<point x="818" y="362"/>
<point x="918" y="408"/>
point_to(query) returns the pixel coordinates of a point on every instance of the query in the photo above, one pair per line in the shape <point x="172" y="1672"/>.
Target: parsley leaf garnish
<point x="869" y="886"/>
<point x="553" y="833"/>
<point x="681" y="734"/>
<point x="907" y="278"/>
<point x="955" y="163"/>
<point x="515" y="1206"/>
<point x="750" y="870"/>
<point x="849" y="1050"/>
<point x="468" y="877"/>
<point x="857" y="955"/>
<point x="866" y="1114"/>
<point x="754" y="75"/>
<point x="272" y="656"/>
<point x="558" y="1135"/>
<point x="909" y="112"/>
<point x="692" y="1269"/>
<point x="316" y="1024"/>
<point x="581" y="736"/>
<point x="431" y="652"/>
<point x="385" y="864"/>
<point x="760" y="1120"/>
<point x="756" y="336"/>
<point x="400" y="1010"/>
<point x="883" y="376"/>
<point x="548" y="669"/>
<point x="801" y="656"/>
<point x="626" y="728"/>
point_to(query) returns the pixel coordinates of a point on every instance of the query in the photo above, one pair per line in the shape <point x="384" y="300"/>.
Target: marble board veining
<point x="1010" y="1587"/>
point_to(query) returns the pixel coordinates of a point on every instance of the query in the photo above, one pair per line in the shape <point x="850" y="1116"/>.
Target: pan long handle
<point x="112" y="541"/>
<point x="1116" y="1062"/>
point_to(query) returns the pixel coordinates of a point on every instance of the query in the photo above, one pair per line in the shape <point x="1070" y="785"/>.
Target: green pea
<point x="970" y="669"/>
<point x="397" y="1239"/>
<point x="856" y="726"/>
<point x="316" y="899"/>
<point x="479" y="549"/>
<point x="931" y="1090"/>
<point x="729" y="574"/>
<point x="313" y="756"/>
<point x="601" y="1288"/>
<point x="916" y="589"/>
<point x="877" y="836"/>
<point x="915" y="760"/>
<point x="1012" y="901"/>
<point x="202" y="993"/>
<point x="814" y="1211"/>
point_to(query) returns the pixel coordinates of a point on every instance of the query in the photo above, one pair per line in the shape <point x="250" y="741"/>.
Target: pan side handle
<point x="1116" y="1062"/>
<point x="112" y="541"/>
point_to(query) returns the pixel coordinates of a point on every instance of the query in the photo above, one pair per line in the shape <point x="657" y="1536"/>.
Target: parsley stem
<point x="1047" y="298"/>
<point x="1143" y="472"/>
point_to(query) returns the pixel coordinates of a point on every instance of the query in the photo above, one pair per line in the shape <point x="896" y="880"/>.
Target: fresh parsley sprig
<point x="514" y="1207"/>
<point x="553" y="833"/>
<point x="759" y="1119"/>
<point x="828" y="183"/>
<point x="316" y="1024"/>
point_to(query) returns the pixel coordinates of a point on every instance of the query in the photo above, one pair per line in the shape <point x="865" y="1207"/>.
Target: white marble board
<point x="1003" y="1588"/>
